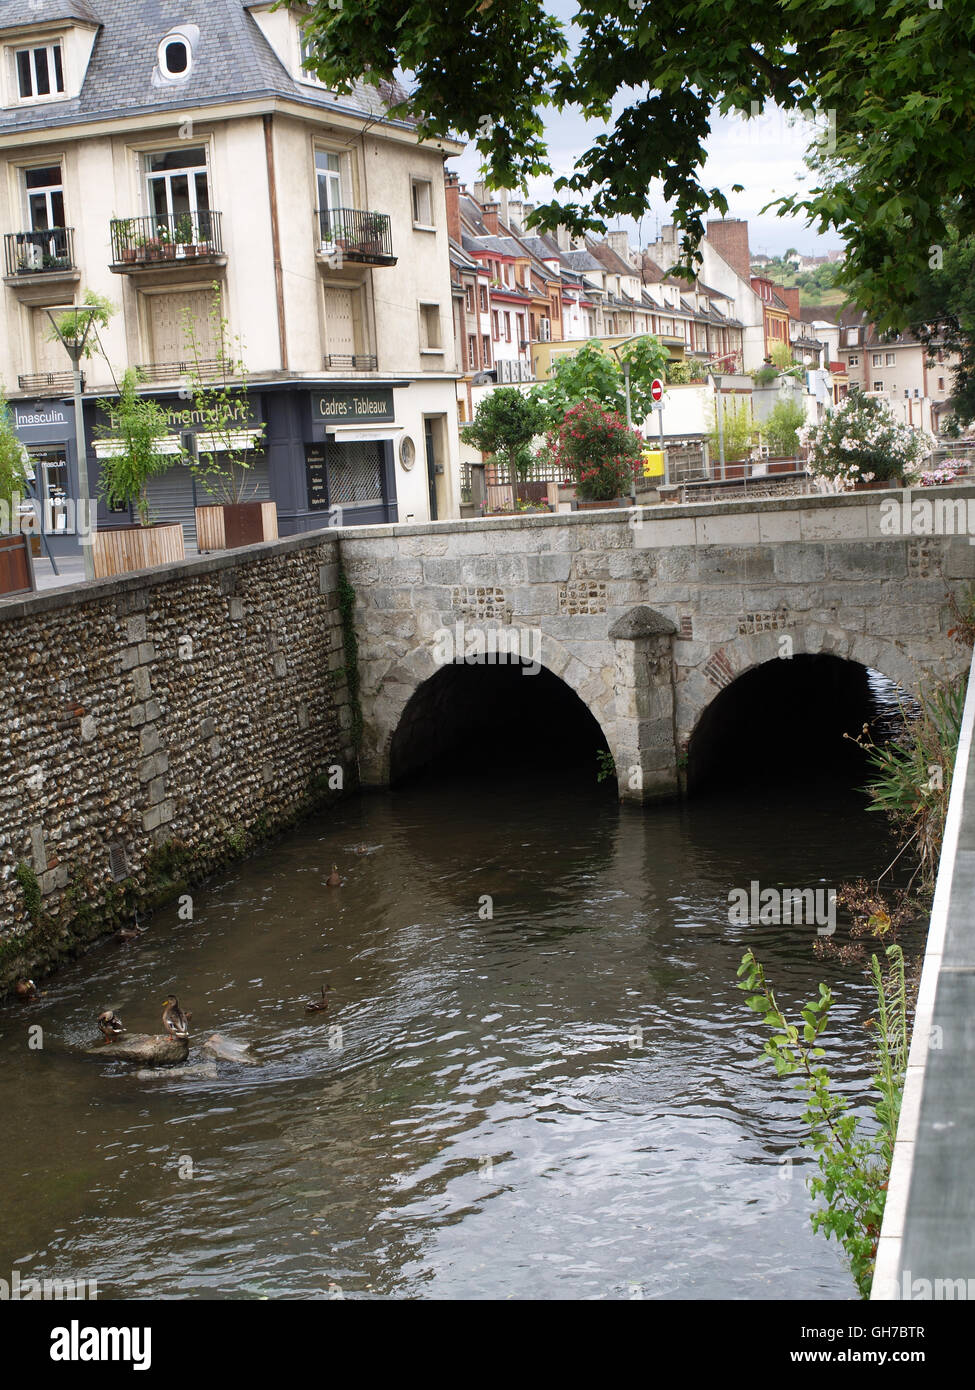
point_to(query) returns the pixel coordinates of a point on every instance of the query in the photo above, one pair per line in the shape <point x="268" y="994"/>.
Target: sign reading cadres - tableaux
<point x="340" y="408"/>
<point x="330" y="408"/>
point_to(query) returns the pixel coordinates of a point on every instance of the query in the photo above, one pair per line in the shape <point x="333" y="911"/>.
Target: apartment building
<point x="895" y="367"/>
<point x="150" y="152"/>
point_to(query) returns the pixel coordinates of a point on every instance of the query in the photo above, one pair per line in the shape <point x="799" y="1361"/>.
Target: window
<point x="308" y="55"/>
<point x="178" y="185"/>
<point x="430" y="339"/>
<point x="175" y="57"/>
<point x="941" y="383"/>
<point x="472" y="352"/>
<point x="469" y="298"/>
<point x="484" y="299"/>
<point x="422" y="192"/>
<point x="521" y="329"/>
<point x="852" y="337"/>
<point x="853" y="360"/>
<point x="878" y="386"/>
<point x="328" y="173"/>
<point x="45" y="198"/>
<point x="40" y="72"/>
<point x="891" y="359"/>
<point x="494" y="325"/>
<point x="507" y="326"/>
<point x="878" y="359"/>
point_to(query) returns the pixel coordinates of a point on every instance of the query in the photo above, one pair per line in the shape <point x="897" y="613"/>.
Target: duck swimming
<point x="319" y="1006"/>
<point x="25" y="989"/>
<point x="110" y="1024"/>
<point x="176" y="1023"/>
<point x="333" y="880"/>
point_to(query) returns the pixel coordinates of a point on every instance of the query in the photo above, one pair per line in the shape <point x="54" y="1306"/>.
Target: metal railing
<point x="39" y="253"/>
<point x="171" y="371"/>
<point x="181" y="236"/>
<point x="44" y="383"/>
<point x="350" y="362"/>
<point x="365" y="237"/>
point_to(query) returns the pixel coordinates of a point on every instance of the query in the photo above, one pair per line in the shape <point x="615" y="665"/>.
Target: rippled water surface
<point x="564" y="1100"/>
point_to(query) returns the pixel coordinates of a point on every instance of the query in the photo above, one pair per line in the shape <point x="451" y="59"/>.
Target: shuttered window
<point x="167" y="315"/>
<point x="49" y="356"/>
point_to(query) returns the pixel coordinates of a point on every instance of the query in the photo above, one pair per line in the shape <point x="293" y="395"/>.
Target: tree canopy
<point x="596" y="374"/>
<point x="943" y="313"/>
<point x="892" y="83"/>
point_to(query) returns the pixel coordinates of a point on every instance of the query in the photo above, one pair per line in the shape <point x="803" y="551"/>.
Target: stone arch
<point x="751" y="650"/>
<point x="383" y="713"/>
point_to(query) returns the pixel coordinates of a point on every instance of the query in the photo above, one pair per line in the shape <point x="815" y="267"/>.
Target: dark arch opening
<point x="783" y="723"/>
<point x="493" y="721"/>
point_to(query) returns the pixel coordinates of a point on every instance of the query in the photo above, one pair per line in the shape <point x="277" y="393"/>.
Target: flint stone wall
<point x="154" y="725"/>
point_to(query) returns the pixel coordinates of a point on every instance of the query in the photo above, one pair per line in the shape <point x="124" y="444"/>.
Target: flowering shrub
<point x="598" y="451"/>
<point x="860" y="440"/>
<point x="935" y="477"/>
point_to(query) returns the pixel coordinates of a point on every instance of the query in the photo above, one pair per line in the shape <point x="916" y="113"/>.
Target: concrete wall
<point x="156" y="724"/>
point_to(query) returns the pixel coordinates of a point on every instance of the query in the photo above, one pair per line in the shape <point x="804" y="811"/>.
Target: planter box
<point x="613" y="502"/>
<point x="878" y="485"/>
<point x="782" y="464"/>
<point x="225" y="526"/>
<point x="124" y="549"/>
<point x="16" y="569"/>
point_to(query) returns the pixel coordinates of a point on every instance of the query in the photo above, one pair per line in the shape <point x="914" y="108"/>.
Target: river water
<point x="562" y="1099"/>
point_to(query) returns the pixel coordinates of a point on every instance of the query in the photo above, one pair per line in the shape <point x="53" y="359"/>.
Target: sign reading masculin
<point x="354" y="407"/>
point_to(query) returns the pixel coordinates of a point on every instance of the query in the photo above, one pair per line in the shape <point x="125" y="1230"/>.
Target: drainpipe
<point x="275" y="239"/>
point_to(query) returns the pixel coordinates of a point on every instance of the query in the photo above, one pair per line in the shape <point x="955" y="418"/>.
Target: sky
<point x="765" y="155"/>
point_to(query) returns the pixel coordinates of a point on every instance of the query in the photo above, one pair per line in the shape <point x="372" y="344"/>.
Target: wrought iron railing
<point x="39" y="253"/>
<point x="180" y="236"/>
<point x="365" y="237"/>
<point x="171" y="371"/>
<point x="48" y="383"/>
<point x="350" y="362"/>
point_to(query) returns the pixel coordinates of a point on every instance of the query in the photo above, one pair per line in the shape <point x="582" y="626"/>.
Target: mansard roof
<point x="233" y="61"/>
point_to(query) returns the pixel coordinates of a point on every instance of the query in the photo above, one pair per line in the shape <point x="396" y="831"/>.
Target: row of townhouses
<point x="183" y="162"/>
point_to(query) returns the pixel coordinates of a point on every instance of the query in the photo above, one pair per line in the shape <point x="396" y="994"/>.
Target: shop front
<point x="46" y="430"/>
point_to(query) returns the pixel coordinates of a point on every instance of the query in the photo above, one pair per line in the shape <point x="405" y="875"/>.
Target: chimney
<point x="563" y="240"/>
<point x="452" y="191"/>
<point x="481" y="194"/>
<point x="489" y="216"/>
<point x="514" y="217"/>
<point x="503" y="199"/>
<point x="620" y="243"/>
<point x="790" y="298"/>
<point x="729" y="237"/>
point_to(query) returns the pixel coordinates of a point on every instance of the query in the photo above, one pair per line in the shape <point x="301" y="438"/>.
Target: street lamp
<point x="74" y="339"/>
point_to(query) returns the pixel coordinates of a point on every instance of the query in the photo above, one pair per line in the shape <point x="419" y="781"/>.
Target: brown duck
<point x="110" y="1024"/>
<point x="319" y="1006"/>
<point x="176" y="1023"/>
<point x="333" y="880"/>
<point x="25" y="989"/>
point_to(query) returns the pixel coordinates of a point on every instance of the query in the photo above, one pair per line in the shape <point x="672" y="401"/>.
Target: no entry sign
<point x="656" y="389"/>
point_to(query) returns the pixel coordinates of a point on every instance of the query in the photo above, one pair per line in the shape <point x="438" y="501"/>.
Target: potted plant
<point x="167" y="245"/>
<point x="600" y="452"/>
<point x="16" y="570"/>
<point x="862" y="445"/>
<point x="226" y="445"/>
<point x="781" y="432"/>
<point x="737" y="435"/>
<point x="184" y="235"/>
<point x="134" y="432"/>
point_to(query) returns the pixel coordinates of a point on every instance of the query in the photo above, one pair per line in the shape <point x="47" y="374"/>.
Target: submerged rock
<point x="229" y="1051"/>
<point x="204" y="1071"/>
<point x="144" y="1049"/>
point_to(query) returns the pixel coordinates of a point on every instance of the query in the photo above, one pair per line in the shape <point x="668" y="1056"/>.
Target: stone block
<point x="147" y="652"/>
<point x="740" y="528"/>
<point x="236" y="607"/>
<point x="135" y="628"/>
<point x="157" y="791"/>
<point x="89" y="728"/>
<point x="149" y="739"/>
<point x="160" y="814"/>
<point x="141" y="684"/>
<point x="867" y="559"/>
<point x="794" y="563"/>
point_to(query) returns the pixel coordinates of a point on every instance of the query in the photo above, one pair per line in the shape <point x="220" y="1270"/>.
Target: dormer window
<point x="174" y="56"/>
<point x="40" y="72"/>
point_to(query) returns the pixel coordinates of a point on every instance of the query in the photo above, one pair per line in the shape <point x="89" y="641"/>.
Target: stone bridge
<point x="647" y="615"/>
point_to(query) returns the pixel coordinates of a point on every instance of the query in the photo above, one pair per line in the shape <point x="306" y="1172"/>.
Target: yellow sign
<point x="653" y="463"/>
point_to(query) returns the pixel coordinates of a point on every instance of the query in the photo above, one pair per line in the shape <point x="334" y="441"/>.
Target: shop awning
<point x="359" y="434"/>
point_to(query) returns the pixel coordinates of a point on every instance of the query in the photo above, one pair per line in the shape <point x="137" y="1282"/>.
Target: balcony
<point x="34" y="261"/>
<point x="162" y="242"/>
<point x="48" y="384"/>
<point x="350" y="362"/>
<point x="209" y="367"/>
<point x="347" y="234"/>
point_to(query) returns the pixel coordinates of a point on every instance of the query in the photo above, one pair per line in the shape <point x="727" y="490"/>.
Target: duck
<point x="361" y="849"/>
<point x="25" y="989"/>
<point x="131" y="933"/>
<point x="333" y="880"/>
<point x="110" y="1024"/>
<point x="319" y="1006"/>
<point x="176" y="1023"/>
